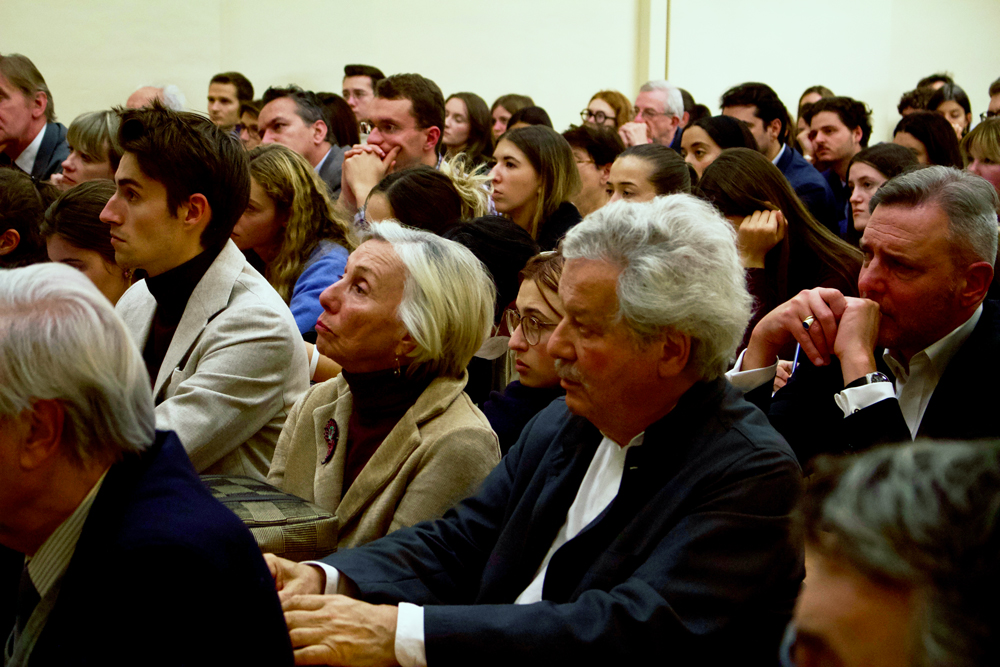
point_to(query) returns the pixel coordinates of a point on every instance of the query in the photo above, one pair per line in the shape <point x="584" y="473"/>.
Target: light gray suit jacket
<point x="234" y="368"/>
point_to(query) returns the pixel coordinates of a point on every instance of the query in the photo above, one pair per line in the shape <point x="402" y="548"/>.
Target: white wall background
<point x="872" y="50"/>
<point x="94" y="53"/>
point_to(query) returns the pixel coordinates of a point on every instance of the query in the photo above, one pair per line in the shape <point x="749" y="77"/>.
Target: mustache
<point x="567" y="371"/>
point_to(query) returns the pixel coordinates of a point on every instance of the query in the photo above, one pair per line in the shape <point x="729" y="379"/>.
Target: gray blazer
<point x="330" y="172"/>
<point x="234" y="368"/>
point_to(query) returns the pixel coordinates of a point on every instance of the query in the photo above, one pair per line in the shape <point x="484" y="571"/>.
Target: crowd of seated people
<point x="560" y="389"/>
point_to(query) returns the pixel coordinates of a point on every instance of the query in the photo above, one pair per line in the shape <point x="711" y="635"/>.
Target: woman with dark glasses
<point x="538" y="312"/>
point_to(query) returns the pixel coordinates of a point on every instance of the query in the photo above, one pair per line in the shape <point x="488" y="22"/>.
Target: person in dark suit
<point x="647" y="514"/>
<point x="759" y="107"/>
<point x="30" y="138"/>
<point x="295" y="118"/>
<point x="917" y="354"/>
<point x="87" y="487"/>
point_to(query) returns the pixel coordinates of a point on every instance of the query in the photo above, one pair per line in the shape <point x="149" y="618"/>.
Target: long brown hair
<point x="301" y="198"/>
<point x="742" y="181"/>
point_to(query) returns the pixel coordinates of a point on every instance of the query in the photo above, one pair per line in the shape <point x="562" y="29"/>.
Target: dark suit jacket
<point x="841" y="197"/>
<point x="51" y="153"/>
<point x="331" y="170"/>
<point x="962" y="407"/>
<point x="693" y="560"/>
<point x="163" y="574"/>
<point x="811" y="188"/>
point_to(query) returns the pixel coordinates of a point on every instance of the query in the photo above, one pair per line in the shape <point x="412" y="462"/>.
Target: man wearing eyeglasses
<point x="994" y="108"/>
<point x="646" y="516"/>
<point x="658" y="111"/>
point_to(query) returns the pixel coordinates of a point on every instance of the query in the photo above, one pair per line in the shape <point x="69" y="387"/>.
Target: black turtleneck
<point x="380" y="399"/>
<point x="172" y="289"/>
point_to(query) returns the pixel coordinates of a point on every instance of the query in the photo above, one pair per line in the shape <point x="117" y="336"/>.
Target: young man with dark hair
<point x="30" y="138"/>
<point x="839" y="127"/>
<point x="21" y="212"/>
<point x="223" y="353"/>
<point x="994" y="108"/>
<point x="407" y="117"/>
<point x="295" y="118"/>
<point x="226" y="92"/>
<point x="595" y="149"/>
<point x="359" y="87"/>
<point x="757" y="105"/>
<point x="936" y="80"/>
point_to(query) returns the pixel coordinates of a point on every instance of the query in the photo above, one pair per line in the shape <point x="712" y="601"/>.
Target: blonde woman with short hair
<point x="394" y="439"/>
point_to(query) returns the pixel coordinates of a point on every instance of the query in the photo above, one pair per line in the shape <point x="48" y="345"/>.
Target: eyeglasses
<point x="988" y="114"/>
<point x="647" y="114"/>
<point x="531" y="326"/>
<point x="597" y="116"/>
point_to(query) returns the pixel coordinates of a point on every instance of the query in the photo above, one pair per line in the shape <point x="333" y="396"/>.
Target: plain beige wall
<point x="93" y="54"/>
<point x="872" y="50"/>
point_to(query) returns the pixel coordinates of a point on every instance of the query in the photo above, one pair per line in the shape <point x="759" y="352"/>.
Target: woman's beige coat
<point x="437" y="454"/>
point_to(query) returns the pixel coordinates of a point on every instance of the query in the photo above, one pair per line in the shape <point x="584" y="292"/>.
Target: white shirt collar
<point x="323" y="161"/>
<point x="26" y="160"/>
<point x="778" y="156"/>
<point x="939" y="354"/>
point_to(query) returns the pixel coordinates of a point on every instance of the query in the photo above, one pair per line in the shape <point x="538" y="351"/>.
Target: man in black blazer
<point x="919" y="353"/>
<point x="110" y="546"/>
<point x="646" y="515"/>
<point x="30" y="138"/>
<point x="759" y="107"/>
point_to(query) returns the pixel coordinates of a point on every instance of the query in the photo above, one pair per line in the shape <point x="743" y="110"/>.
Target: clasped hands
<point x="841" y="326"/>
<point x="331" y="629"/>
<point x="364" y="166"/>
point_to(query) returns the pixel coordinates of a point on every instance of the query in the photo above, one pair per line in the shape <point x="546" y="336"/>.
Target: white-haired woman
<point x="394" y="439"/>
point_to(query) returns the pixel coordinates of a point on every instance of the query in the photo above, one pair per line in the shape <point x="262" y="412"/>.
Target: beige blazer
<point x="234" y="368"/>
<point x="437" y="454"/>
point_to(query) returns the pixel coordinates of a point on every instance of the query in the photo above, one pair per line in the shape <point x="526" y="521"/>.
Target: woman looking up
<point x="293" y="227"/>
<point x="393" y="440"/>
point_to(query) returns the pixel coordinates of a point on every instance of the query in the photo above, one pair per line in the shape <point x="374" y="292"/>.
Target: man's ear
<point x="320" y="132"/>
<point x="433" y="134"/>
<point x="857" y="133"/>
<point x="39" y="104"/>
<point x="973" y="289"/>
<point x="9" y="241"/>
<point x="605" y="173"/>
<point x="773" y="129"/>
<point x="676" y="350"/>
<point x="44" y="426"/>
<point x="197" y="213"/>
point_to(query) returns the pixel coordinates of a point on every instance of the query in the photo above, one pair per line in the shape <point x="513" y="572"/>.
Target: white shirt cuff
<point x="410" y="649"/>
<point x="750" y="380"/>
<point x="332" y="576"/>
<point x="856" y="399"/>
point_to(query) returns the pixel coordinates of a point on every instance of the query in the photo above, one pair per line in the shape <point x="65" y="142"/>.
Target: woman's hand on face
<point x="758" y="233"/>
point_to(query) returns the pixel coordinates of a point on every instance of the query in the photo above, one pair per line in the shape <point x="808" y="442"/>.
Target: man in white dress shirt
<point x="648" y="512"/>
<point x="929" y="253"/>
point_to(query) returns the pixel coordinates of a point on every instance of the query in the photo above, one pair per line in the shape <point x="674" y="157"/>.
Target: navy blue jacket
<point x="163" y="574"/>
<point x="694" y="559"/>
<point x="962" y="407"/>
<point x="811" y="188"/>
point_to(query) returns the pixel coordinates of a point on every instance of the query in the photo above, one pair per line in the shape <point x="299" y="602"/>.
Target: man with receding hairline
<point x="30" y="138"/>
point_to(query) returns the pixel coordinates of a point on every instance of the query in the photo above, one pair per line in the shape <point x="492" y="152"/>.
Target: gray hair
<point x="675" y="102"/>
<point x="448" y="298"/>
<point x="969" y="201"/>
<point x="60" y="339"/>
<point x="680" y="271"/>
<point x="922" y="516"/>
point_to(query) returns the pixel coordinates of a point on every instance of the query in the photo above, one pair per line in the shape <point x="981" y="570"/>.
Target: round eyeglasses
<point x="597" y="116"/>
<point x="531" y="326"/>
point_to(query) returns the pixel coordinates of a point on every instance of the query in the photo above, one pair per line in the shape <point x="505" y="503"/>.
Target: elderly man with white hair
<point x="646" y="515"/>
<point x="106" y="533"/>
<point x="659" y="108"/>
